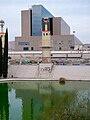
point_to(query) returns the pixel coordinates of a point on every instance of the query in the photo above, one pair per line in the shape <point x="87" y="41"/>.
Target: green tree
<point x="0" y="57"/>
<point x="4" y="102"/>
<point x="5" y="56"/>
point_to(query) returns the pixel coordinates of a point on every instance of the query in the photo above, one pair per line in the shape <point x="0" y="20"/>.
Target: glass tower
<point x="38" y="12"/>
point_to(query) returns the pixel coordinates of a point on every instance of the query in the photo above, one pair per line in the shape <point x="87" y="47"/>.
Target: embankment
<point x="31" y="71"/>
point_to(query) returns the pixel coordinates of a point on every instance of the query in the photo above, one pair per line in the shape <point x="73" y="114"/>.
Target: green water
<point x="45" y="100"/>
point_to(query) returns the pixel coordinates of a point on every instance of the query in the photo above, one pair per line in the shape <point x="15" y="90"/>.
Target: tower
<point x="46" y="41"/>
<point x="2" y="34"/>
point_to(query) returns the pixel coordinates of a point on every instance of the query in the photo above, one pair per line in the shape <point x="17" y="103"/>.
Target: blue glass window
<point x="38" y="12"/>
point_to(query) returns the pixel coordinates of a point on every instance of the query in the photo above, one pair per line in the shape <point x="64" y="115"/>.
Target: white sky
<point x="76" y="13"/>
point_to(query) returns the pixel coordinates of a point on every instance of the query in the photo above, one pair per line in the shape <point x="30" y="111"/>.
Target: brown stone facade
<point x="58" y="42"/>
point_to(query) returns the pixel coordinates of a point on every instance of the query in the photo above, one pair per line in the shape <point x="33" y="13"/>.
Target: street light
<point x="2" y="24"/>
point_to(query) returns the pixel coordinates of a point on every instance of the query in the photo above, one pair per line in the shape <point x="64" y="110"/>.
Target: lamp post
<point x="1" y="25"/>
<point x="2" y="34"/>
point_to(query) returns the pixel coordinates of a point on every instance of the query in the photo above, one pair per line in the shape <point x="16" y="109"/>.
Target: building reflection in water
<point x="15" y="106"/>
<point x="39" y="99"/>
<point x="47" y="101"/>
<point x="4" y="103"/>
<point x="34" y="97"/>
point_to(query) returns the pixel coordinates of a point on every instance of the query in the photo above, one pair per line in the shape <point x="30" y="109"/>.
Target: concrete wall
<point x="77" y="41"/>
<point x="72" y="72"/>
<point x="60" y="27"/>
<point x="34" y="41"/>
<point x="58" y="41"/>
<point x="68" y="72"/>
<point x="63" y="41"/>
<point x="65" y="29"/>
<point x="22" y="71"/>
<point x="26" y="23"/>
<point x="56" y="30"/>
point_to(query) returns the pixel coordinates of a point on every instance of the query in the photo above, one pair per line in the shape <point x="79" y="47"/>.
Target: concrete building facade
<point x="31" y="28"/>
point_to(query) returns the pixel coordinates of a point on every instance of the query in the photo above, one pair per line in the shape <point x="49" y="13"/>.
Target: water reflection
<point x="45" y="100"/>
<point x="4" y="105"/>
<point x="15" y="106"/>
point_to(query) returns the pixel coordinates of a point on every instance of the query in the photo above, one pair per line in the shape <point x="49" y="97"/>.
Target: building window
<point x="43" y="34"/>
<point x="23" y="43"/>
<point x="60" y="48"/>
<point x="88" y="46"/>
<point x="61" y="42"/>
<point x="25" y="48"/>
<point x="46" y="34"/>
<point x="69" y="41"/>
<point x="32" y="48"/>
<point x="72" y="47"/>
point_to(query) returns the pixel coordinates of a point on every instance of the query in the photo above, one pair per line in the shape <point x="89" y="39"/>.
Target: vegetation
<point x="5" y="56"/>
<point x="4" y="105"/>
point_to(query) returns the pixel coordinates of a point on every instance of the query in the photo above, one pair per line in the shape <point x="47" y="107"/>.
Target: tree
<point x="5" y="56"/>
<point x="0" y="57"/>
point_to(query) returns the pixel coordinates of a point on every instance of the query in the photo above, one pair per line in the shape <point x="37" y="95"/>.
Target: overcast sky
<point x="75" y="12"/>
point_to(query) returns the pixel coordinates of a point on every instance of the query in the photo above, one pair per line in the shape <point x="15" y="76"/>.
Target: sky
<point x="76" y="14"/>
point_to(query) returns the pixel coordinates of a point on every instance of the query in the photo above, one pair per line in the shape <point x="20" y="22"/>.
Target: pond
<point x="45" y="100"/>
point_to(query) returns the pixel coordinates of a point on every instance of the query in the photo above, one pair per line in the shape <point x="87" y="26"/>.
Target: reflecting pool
<point x="45" y="100"/>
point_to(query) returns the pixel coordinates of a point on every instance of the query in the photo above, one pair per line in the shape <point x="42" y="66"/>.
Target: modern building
<point x="31" y="31"/>
<point x="86" y="46"/>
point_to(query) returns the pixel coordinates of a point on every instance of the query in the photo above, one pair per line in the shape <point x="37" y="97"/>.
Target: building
<point x="11" y="45"/>
<point x="86" y="46"/>
<point x="31" y="29"/>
